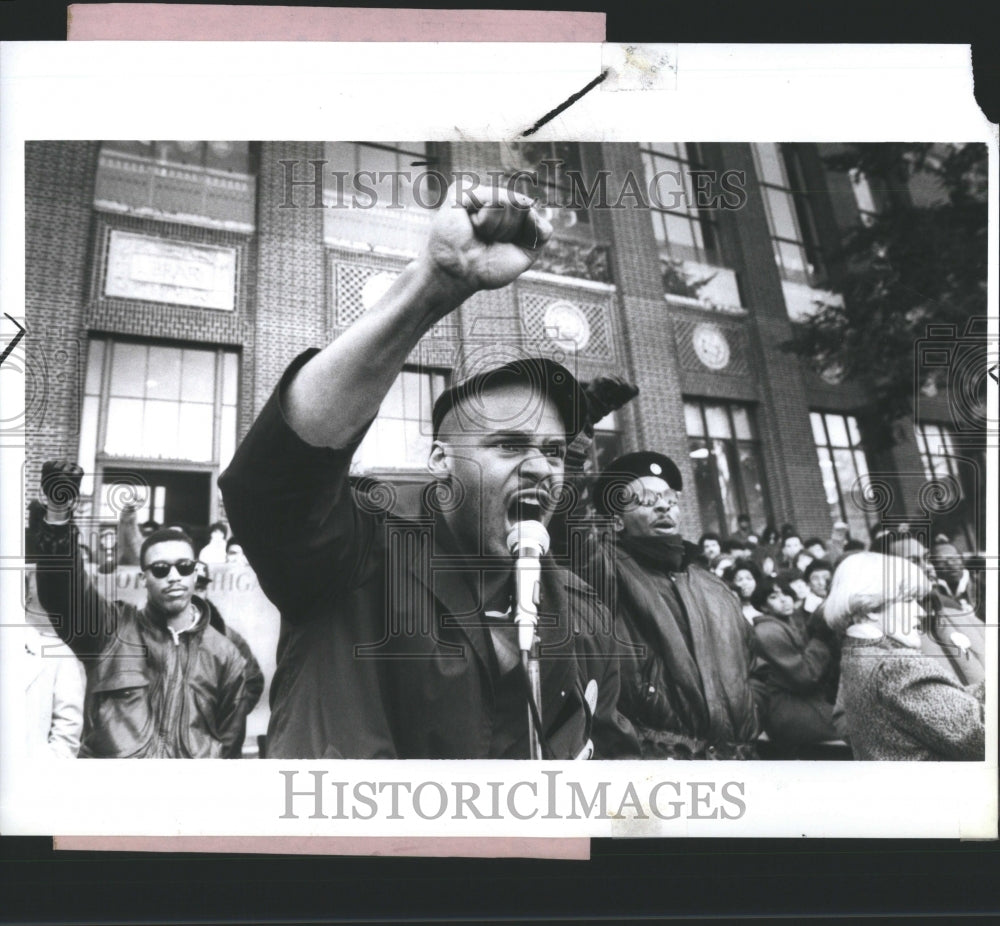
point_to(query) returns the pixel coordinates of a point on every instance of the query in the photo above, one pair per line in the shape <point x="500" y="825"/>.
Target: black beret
<point x="548" y="378"/>
<point x="622" y="471"/>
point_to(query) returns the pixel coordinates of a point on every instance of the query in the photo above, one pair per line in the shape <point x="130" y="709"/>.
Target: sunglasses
<point x="160" y="570"/>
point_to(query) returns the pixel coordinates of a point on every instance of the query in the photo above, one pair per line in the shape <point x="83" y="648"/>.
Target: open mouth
<point x="527" y="506"/>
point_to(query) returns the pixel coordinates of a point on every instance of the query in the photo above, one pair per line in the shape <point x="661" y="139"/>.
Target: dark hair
<point x="814" y="541"/>
<point x="742" y="565"/>
<point x="163" y="535"/>
<point x="853" y="546"/>
<point x="769" y="535"/>
<point x="788" y="530"/>
<point x="233" y="542"/>
<point x="710" y="535"/>
<point x="816" y="565"/>
<point x="728" y="546"/>
<point x="218" y="526"/>
<point x="742" y="516"/>
<point x="765" y="588"/>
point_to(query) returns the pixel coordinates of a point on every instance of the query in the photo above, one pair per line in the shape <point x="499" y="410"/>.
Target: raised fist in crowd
<point x="606" y="394"/>
<point x="60" y="486"/>
<point x="485" y="237"/>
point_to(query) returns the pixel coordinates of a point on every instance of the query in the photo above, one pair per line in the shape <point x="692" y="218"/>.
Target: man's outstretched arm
<point x="474" y="243"/>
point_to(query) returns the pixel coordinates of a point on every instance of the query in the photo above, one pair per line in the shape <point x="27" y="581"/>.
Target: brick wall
<point x="59" y="183"/>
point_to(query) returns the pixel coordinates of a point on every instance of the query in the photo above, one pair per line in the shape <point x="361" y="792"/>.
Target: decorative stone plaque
<point x="711" y="346"/>
<point x="174" y="272"/>
<point x="565" y="322"/>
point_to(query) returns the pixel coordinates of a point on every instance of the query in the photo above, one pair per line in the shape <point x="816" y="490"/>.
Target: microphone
<point x="528" y="541"/>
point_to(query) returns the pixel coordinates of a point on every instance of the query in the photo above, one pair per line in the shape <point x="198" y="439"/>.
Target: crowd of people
<point x="417" y="638"/>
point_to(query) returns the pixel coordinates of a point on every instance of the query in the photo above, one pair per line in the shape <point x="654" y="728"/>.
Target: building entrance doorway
<point x="175" y="497"/>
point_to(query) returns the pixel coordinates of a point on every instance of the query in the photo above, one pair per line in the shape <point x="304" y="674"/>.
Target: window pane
<point x="829" y="481"/>
<point x="415" y="397"/>
<point x="159" y="431"/>
<point x="819" y="434"/>
<point x="837" y="430"/>
<point x="717" y="420"/>
<point x="847" y="471"/>
<point x="692" y="420"/>
<point x="392" y="404"/>
<point x="128" y="370"/>
<point x="95" y="366"/>
<point x="852" y="430"/>
<point x="195" y="433"/>
<point x="783" y="215"/>
<point x="163" y="378"/>
<point x="754" y="488"/>
<point x="341" y="156"/>
<point x="702" y="462"/>
<point x="658" y="230"/>
<point x="418" y="444"/>
<point x="860" y="463"/>
<point x="376" y="159"/>
<point x="230" y="377"/>
<point x="792" y="257"/>
<point x="769" y="163"/>
<point x="198" y="380"/>
<point x="88" y="442"/>
<point x="721" y="450"/>
<point x="227" y="436"/>
<point x="678" y="230"/>
<point x="741" y="422"/>
<point x="124" y="431"/>
<point x="608" y="423"/>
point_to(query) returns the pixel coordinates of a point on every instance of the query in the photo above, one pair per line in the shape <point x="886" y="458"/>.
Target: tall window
<point x="399" y="163"/>
<point x="683" y="230"/>
<point x="400" y="437"/>
<point x="156" y="408"/>
<point x="728" y="469"/>
<point x="606" y="446"/>
<point x="552" y="164"/>
<point x="842" y="463"/>
<point x="940" y="459"/>
<point x="789" y="215"/>
<point x="230" y="156"/>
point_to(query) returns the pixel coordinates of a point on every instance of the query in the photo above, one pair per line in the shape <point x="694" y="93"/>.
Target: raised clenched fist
<point x="485" y="237"/>
<point x="60" y="486"/>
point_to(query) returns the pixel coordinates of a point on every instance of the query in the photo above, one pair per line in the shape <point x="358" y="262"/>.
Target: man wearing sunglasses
<point x="690" y="682"/>
<point x="162" y="683"/>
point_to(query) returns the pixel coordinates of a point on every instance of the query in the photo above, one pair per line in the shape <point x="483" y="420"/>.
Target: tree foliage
<point x="920" y="259"/>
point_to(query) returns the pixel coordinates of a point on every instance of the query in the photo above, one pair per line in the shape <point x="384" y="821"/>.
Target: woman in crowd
<point x="897" y="703"/>
<point x="742" y="578"/>
<point x="800" y="700"/>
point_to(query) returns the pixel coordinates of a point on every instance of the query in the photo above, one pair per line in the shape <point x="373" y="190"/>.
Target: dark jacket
<point x="800" y="704"/>
<point x="383" y="652"/>
<point x="147" y="696"/>
<point x="702" y="700"/>
<point x="253" y="676"/>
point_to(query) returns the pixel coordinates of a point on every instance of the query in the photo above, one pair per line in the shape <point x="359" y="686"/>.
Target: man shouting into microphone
<point x="397" y="638"/>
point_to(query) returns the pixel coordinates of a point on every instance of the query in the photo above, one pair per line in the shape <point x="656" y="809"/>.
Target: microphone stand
<point x="529" y="541"/>
<point x="529" y="660"/>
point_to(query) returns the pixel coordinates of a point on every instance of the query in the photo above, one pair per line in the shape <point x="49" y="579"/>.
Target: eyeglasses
<point x="651" y="499"/>
<point x="161" y="570"/>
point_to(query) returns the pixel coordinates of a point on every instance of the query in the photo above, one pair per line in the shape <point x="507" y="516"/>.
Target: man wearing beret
<point x="396" y="637"/>
<point x="691" y="683"/>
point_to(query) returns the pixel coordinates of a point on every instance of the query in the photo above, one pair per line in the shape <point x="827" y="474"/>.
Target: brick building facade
<point x="170" y="283"/>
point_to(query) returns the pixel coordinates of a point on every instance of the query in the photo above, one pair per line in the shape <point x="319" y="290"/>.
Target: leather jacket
<point x="149" y="694"/>
<point x="705" y="703"/>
